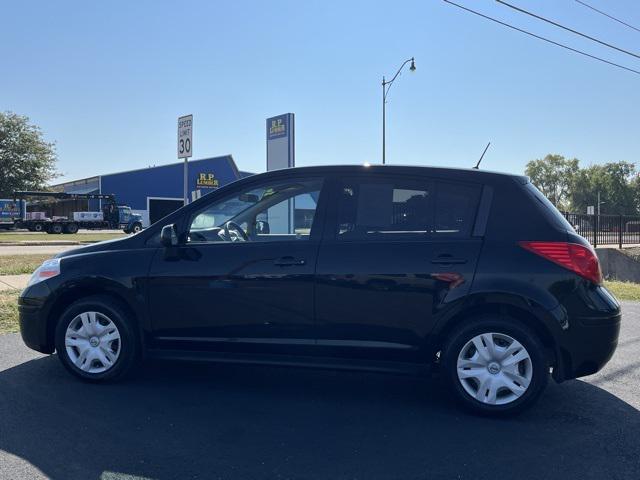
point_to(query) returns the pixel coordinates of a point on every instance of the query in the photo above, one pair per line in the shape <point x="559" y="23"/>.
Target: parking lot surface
<point x="207" y="421"/>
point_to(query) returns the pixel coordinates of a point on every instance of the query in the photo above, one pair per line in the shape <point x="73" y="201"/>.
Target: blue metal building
<point x="155" y="191"/>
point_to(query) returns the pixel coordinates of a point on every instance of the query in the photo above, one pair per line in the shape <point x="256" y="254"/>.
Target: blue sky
<point x="107" y="80"/>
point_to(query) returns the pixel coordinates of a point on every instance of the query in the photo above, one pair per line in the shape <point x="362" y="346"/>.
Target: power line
<point x="543" y="38"/>
<point x="567" y="28"/>
<point x="607" y="15"/>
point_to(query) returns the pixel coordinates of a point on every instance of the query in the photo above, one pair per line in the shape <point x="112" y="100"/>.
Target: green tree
<point x="635" y="186"/>
<point x="27" y="161"/>
<point x="616" y="182"/>
<point x="553" y="175"/>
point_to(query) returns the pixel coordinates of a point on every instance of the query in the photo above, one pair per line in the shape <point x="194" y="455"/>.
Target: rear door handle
<point x="448" y="260"/>
<point x="289" y="261"/>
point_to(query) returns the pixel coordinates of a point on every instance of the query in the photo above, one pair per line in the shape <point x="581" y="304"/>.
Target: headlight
<point x="48" y="269"/>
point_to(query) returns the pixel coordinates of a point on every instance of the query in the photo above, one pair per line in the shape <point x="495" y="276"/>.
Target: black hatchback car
<point x="388" y="268"/>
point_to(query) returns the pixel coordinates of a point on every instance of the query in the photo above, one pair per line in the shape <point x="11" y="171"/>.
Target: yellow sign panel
<point x="207" y="180"/>
<point x="278" y="128"/>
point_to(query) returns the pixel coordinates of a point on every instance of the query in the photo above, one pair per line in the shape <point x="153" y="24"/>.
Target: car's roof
<point x="469" y="174"/>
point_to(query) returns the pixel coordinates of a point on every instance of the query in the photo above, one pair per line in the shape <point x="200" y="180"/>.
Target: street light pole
<point x="384" y="122"/>
<point x="386" y="86"/>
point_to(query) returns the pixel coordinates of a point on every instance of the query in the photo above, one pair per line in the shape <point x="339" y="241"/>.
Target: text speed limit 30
<point x="185" y="136"/>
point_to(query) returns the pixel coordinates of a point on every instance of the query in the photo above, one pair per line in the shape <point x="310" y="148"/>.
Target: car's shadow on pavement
<point x="244" y="422"/>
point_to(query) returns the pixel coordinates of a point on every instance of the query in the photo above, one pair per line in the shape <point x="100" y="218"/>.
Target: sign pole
<point x="186" y="180"/>
<point x="185" y="144"/>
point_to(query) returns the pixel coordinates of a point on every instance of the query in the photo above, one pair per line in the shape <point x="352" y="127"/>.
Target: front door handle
<point x="448" y="260"/>
<point x="289" y="261"/>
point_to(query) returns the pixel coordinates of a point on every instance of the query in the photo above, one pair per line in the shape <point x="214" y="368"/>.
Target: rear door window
<point x="385" y="209"/>
<point x="400" y="209"/>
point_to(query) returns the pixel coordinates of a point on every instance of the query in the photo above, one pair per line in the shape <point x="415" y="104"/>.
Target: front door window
<point x="276" y="211"/>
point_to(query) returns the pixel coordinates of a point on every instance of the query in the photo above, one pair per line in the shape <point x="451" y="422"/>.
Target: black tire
<point x="136" y="227"/>
<point x="71" y="228"/>
<point x="38" y="227"/>
<point x="56" y="228"/>
<point x="128" y="345"/>
<point x="459" y="338"/>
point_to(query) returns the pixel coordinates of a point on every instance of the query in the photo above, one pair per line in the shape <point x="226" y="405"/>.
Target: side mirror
<point x="169" y="236"/>
<point x="262" y="227"/>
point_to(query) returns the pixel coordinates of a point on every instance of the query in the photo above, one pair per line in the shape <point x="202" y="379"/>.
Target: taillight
<point x="577" y="258"/>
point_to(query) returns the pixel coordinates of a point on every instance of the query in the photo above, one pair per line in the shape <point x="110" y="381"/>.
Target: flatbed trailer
<point x="115" y="216"/>
<point x="69" y="226"/>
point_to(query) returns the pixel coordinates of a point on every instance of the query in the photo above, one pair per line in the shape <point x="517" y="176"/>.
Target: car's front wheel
<point x="95" y="339"/>
<point x="495" y="366"/>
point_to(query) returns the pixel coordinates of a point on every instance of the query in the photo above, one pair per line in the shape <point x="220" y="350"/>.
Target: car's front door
<point x="397" y="251"/>
<point x="243" y="278"/>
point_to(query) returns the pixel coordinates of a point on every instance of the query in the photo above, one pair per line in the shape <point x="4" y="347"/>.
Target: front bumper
<point x="32" y="314"/>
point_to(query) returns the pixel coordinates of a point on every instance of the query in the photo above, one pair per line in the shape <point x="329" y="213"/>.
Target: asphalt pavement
<point x="208" y="421"/>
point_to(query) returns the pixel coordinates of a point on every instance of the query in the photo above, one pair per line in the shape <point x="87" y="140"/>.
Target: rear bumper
<point x="591" y="339"/>
<point x="596" y="346"/>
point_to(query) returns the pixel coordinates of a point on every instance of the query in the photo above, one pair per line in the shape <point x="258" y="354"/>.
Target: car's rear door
<point x="397" y="251"/>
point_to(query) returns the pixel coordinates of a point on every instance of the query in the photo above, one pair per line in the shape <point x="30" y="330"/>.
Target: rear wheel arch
<point x="505" y="311"/>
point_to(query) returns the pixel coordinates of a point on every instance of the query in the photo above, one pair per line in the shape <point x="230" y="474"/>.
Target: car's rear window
<point x="549" y="207"/>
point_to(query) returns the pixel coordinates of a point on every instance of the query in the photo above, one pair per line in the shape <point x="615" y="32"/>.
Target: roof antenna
<point x="482" y="156"/>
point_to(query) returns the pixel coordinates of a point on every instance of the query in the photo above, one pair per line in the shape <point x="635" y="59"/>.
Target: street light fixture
<point x="386" y="86"/>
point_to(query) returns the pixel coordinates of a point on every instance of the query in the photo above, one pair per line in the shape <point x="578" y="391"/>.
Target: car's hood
<point x="104" y="246"/>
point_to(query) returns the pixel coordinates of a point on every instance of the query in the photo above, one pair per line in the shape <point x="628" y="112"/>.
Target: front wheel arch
<point x="69" y="297"/>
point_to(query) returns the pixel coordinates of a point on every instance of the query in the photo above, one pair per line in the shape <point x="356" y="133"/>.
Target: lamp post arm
<point x="385" y="83"/>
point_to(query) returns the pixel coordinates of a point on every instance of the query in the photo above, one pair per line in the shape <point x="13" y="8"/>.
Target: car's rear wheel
<point x="95" y="339"/>
<point x="495" y="365"/>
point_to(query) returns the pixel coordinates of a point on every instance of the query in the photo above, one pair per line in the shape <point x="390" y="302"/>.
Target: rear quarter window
<point x="549" y="208"/>
<point x="455" y="208"/>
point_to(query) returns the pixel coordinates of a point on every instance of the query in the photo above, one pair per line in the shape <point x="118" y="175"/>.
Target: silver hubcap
<point x="92" y="342"/>
<point x="494" y="368"/>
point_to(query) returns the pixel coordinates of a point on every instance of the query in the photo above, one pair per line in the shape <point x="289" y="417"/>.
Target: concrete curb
<point x="13" y="282"/>
<point x="46" y="244"/>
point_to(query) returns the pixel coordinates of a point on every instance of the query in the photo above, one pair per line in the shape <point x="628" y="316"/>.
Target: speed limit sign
<point x="185" y="136"/>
